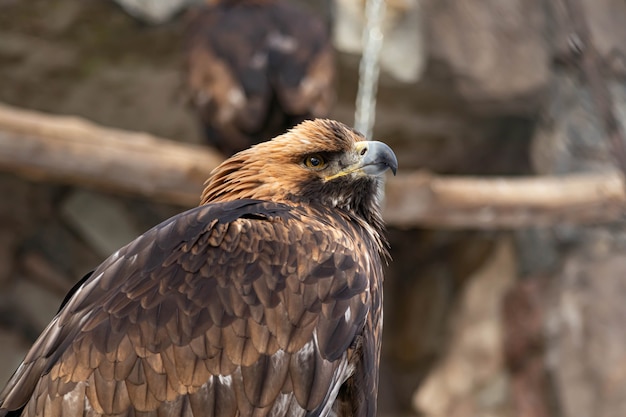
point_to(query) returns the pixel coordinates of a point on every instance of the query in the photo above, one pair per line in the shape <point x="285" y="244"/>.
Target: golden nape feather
<point x="276" y="170"/>
<point x="266" y="300"/>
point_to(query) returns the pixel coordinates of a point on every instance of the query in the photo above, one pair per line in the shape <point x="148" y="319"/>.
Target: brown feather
<point x="157" y="382"/>
<point x="264" y="379"/>
<point x="52" y="407"/>
<point x="264" y="301"/>
<point x="255" y="69"/>
<point x="179" y="407"/>
<point x="140" y="395"/>
<point x="311" y="376"/>
<point x="74" y="404"/>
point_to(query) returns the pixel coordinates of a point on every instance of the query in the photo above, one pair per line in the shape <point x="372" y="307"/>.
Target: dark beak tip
<point x="393" y="162"/>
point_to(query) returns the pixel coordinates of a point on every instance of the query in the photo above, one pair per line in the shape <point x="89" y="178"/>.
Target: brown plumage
<point x="256" y="68"/>
<point x="264" y="301"/>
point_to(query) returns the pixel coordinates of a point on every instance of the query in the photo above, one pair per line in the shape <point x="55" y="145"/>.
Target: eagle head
<point x="320" y="163"/>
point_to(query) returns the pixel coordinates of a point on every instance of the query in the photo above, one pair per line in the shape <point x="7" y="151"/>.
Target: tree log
<point x="422" y="199"/>
<point x="74" y="151"/>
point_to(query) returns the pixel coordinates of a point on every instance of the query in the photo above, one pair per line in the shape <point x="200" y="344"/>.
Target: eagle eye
<point x="315" y="161"/>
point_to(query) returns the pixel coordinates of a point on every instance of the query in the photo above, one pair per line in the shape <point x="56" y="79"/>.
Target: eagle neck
<point x="367" y="224"/>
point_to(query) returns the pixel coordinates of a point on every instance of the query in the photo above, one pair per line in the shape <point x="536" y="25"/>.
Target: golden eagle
<point x="266" y="300"/>
<point x="256" y="68"/>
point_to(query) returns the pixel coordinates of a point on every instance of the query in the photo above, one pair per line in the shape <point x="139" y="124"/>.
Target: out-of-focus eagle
<point x="256" y="68"/>
<point x="263" y="301"/>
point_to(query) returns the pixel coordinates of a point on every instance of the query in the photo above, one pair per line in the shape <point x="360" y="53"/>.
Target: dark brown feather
<point x="238" y="307"/>
<point x="255" y="69"/>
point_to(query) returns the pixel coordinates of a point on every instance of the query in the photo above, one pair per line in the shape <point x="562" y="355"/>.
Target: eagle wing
<point x="246" y="306"/>
<point x="227" y="72"/>
<point x="256" y="68"/>
<point x="302" y="57"/>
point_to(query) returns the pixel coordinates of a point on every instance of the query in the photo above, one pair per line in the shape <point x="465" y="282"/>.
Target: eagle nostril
<point x="363" y="151"/>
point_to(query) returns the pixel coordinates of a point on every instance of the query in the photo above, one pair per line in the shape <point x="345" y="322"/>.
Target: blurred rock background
<point x="501" y="323"/>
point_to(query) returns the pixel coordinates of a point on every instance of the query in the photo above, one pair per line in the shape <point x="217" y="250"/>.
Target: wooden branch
<point x="421" y="199"/>
<point x="73" y="151"/>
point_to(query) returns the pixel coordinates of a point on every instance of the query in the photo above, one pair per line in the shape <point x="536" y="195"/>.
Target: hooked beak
<point x="373" y="159"/>
<point x="376" y="157"/>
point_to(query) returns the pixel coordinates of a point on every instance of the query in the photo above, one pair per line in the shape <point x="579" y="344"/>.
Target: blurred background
<point x="516" y="310"/>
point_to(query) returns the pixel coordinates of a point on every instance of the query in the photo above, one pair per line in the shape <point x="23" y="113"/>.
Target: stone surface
<point x="34" y="302"/>
<point x="604" y="19"/>
<point x="470" y="379"/>
<point x="91" y="59"/>
<point x="62" y="247"/>
<point x="31" y="57"/>
<point x="429" y="270"/>
<point x="571" y="137"/>
<point x="495" y="49"/>
<point x="586" y="354"/>
<point x="26" y="205"/>
<point x="8" y="251"/>
<point x="14" y="349"/>
<point x="44" y="273"/>
<point x="102" y="221"/>
<point x="524" y="347"/>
